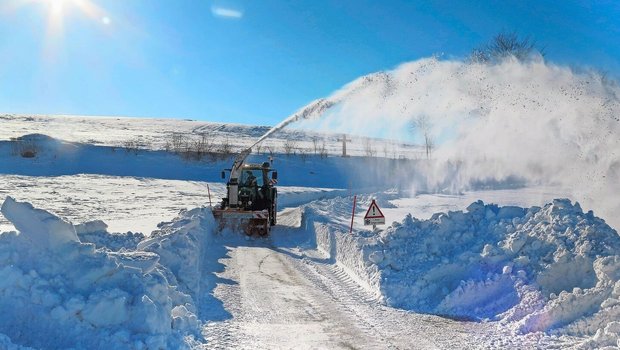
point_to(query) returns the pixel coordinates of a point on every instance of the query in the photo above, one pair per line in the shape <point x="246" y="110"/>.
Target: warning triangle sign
<point x="373" y="211"/>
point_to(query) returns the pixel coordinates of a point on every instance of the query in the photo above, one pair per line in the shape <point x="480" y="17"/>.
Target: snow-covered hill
<point x="158" y="134"/>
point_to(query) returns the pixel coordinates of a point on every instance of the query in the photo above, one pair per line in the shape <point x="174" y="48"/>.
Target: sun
<point x="58" y="11"/>
<point x="56" y="14"/>
<point x="56" y="6"/>
<point x="87" y="7"/>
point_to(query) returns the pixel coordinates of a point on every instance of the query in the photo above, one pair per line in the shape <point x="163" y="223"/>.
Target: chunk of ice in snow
<point x="39" y="226"/>
<point x="145" y="261"/>
<point x="91" y="227"/>
<point x="376" y="257"/>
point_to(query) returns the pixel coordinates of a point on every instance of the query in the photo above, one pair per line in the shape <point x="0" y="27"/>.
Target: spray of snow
<point x="533" y="121"/>
<point x="315" y="108"/>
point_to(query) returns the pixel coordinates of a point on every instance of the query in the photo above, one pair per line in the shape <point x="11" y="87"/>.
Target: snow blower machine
<point x="251" y="202"/>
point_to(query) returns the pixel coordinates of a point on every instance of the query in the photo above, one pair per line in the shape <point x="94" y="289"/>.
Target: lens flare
<point x="56" y="7"/>
<point x="57" y="13"/>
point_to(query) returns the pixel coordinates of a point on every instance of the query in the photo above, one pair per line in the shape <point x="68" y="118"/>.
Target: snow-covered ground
<point x="128" y="203"/>
<point x="296" y="289"/>
<point x="186" y="286"/>
<point x="157" y="134"/>
<point x="123" y="250"/>
<point x="552" y="269"/>
<point x="309" y="259"/>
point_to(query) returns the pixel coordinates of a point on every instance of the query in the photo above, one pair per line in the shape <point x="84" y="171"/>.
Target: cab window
<point x="249" y="176"/>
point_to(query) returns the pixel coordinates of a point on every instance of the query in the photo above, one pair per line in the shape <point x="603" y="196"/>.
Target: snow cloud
<point x="226" y="12"/>
<point x="534" y="121"/>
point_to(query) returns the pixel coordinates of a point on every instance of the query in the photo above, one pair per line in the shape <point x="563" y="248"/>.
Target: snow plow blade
<point x="250" y="222"/>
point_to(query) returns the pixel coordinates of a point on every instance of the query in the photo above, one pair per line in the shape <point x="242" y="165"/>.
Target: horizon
<point x="256" y="64"/>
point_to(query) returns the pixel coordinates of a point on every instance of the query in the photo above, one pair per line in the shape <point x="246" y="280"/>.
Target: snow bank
<point x="59" y="292"/>
<point x="40" y="227"/>
<point x="539" y="269"/>
<point x="332" y="237"/>
<point x="96" y="232"/>
<point x="7" y="344"/>
<point x="553" y="269"/>
<point x="179" y="244"/>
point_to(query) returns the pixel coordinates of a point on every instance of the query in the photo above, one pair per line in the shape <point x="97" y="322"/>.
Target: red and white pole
<point x="353" y="213"/>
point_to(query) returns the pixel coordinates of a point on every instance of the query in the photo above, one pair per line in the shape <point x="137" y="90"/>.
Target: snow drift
<point x="553" y="269"/>
<point x="531" y="122"/>
<point x="60" y="292"/>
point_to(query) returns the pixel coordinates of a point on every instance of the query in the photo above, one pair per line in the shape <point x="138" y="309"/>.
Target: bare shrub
<point x="323" y="150"/>
<point x="192" y="147"/>
<point x="179" y="142"/>
<point x="24" y="148"/>
<point x="422" y="124"/>
<point x="504" y="45"/>
<point x="315" y="144"/>
<point x="303" y="154"/>
<point x="368" y="148"/>
<point x="290" y="147"/>
<point x="203" y="145"/>
<point x="134" y="145"/>
<point x="130" y="146"/>
<point x="225" y="148"/>
<point x="258" y="148"/>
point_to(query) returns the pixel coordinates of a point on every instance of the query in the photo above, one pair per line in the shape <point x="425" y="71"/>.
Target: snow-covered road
<point x="278" y="296"/>
<point x="278" y="300"/>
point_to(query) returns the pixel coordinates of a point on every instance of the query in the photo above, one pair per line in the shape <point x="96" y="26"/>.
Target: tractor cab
<point x="251" y="196"/>
<point x="255" y="186"/>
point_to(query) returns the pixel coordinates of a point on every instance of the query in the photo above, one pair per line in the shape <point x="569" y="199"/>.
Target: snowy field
<point x="157" y="134"/>
<point x="127" y="203"/>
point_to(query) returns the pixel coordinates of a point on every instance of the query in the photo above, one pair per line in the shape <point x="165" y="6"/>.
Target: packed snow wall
<point x="349" y="250"/>
<point x="551" y="269"/>
<point x="66" y="286"/>
<point x="507" y="123"/>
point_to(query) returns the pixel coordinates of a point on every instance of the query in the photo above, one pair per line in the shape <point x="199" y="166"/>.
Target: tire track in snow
<point x="276" y="306"/>
<point x="401" y="329"/>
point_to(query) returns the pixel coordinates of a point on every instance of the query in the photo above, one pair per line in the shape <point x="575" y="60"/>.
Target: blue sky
<point x="257" y="61"/>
